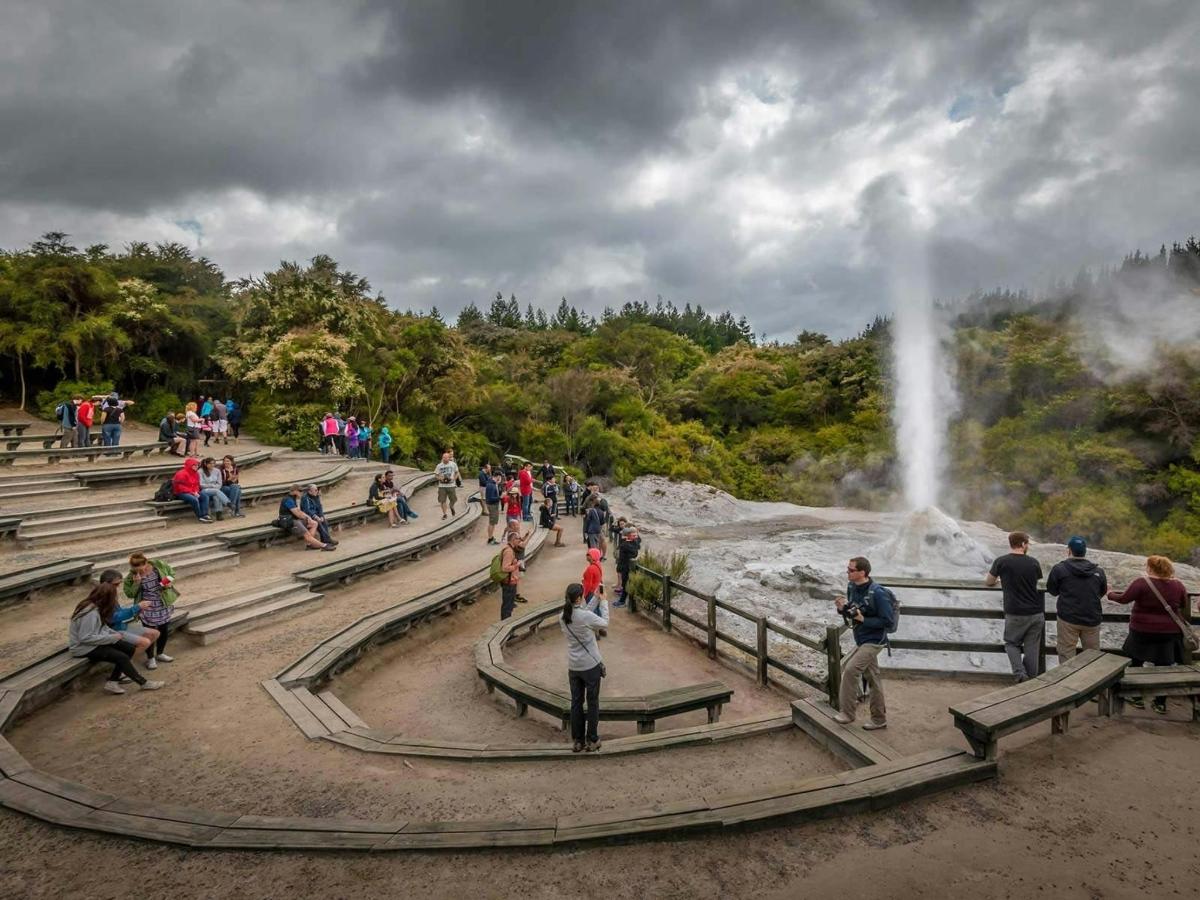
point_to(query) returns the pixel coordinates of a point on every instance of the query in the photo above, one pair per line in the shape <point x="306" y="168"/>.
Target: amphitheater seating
<point x="148" y="473"/>
<point x="22" y="585"/>
<point x="855" y="746"/>
<point x="252" y="494"/>
<point x="18" y="427"/>
<point x="91" y="454"/>
<point x="645" y="710"/>
<point x="1050" y="696"/>
<point x="14" y="442"/>
<point x="1159" y="681"/>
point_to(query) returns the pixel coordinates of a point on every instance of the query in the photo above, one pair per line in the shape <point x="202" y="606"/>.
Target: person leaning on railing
<point x="1155" y="635"/>
<point x="1024" y="606"/>
<point x="868" y="606"/>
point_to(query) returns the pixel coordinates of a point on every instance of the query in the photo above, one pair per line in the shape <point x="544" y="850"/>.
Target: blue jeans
<point x="234" y="493"/>
<point x="198" y="503"/>
<point x="111" y="435"/>
<point x="404" y="509"/>
<point x="527" y="507"/>
<point x="385" y="455"/>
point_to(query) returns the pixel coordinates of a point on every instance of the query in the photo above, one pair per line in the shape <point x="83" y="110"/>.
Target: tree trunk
<point x="77" y="355"/>
<point x="21" y="372"/>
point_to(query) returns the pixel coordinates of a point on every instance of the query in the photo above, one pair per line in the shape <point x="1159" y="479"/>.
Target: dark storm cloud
<point x="709" y="152"/>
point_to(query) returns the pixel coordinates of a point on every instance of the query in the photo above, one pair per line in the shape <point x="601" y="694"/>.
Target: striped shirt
<point x="157" y="612"/>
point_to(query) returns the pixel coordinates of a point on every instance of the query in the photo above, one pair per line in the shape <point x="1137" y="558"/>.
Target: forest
<point x="1050" y="435"/>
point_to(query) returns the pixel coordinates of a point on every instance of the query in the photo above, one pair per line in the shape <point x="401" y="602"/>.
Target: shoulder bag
<point x="1191" y="639"/>
<point x="603" y="671"/>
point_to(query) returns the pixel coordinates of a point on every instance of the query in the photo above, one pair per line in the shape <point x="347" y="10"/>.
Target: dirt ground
<point x="1107" y="810"/>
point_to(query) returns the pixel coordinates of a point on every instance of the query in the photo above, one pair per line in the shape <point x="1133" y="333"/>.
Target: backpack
<point x="165" y="492"/>
<point x="496" y="573"/>
<point x="890" y="594"/>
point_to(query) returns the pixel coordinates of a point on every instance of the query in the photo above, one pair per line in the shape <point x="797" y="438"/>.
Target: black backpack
<point x="165" y="492"/>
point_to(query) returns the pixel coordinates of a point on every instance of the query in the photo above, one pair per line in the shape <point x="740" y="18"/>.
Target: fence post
<point x="666" y="600"/>
<point x="712" y="627"/>
<point x="1042" y="649"/>
<point x="761" y="621"/>
<point x="833" y="656"/>
<point x="1186" y="609"/>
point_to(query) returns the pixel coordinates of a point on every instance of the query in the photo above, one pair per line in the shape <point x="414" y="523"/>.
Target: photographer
<point x="585" y="667"/>
<point x="869" y="610"/>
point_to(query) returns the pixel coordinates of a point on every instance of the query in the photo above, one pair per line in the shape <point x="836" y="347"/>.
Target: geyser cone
<point x="930" y="543"/>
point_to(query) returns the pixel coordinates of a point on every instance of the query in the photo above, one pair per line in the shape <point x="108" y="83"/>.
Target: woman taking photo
<point x="91" y="637"/>
<point x="585" y="668"/>
<point x="1155" y="622"/>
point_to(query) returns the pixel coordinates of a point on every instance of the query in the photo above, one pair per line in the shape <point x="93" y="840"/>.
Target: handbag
<point x="603" y="671"/>
<point x="1191" y="639"/>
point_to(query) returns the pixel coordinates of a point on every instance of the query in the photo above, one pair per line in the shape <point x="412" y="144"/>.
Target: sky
<point x="713" y="152"/>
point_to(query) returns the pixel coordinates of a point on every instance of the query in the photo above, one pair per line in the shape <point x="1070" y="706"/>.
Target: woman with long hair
<point x="192" y="419"/>
<point x="585" y="667"/>
<point x="90" y="636"/>
<point x="384" y="500"/>
<point x="1155" y="622"/>
<point x="210" y="487"/>
<point x="231" y="485"/>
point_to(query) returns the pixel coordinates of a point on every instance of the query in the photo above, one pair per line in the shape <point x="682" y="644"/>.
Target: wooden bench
<point x="22" y="585"/>
<point x="1159" y="681"/>
<point x="91" y="454"/>
<point x="255" y="493"/>
<point x="14" y="442"/>
<point x="18" y="427"/>
<point x="1050" y="696"/>
<point x="148" y="473"/>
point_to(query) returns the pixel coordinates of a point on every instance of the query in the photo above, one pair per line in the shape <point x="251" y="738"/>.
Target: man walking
<point x="493" y="494"/>
<point x="448" y="480"/>
<point x="1024" y="606"/>
<point x="68" y="418"/>
<point x="1078" y="584"/>
<point x="869" y="608"/>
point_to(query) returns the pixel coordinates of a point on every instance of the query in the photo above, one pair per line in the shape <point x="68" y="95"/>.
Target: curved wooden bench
<point x="255" y="493"/>
<point x="645" y="710"/>
<point x="148" y="473"/>
<point x="18" y="427"/>
<point x="14" y="442"/>
<point x="1050" y="696"/>
<point x="1159" y="681"/>
<point x="22" y="585"/>
<point x="91" y="453"/>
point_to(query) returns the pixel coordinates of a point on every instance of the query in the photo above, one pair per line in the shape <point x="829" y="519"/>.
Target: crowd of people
<point x="207" y="418"/>
<point x="353" y="438"/>
<point x="211" y="490"/>
<point x="77" y="415"/>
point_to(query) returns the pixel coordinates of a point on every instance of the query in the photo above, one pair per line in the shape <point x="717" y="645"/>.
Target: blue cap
<point x="1077" y="546"/>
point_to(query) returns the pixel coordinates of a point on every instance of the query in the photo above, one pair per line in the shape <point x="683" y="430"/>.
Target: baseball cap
<point x="1077" y="546"/>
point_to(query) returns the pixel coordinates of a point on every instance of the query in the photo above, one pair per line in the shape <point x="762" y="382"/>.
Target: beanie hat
<point x="594" y="554"/>
<point x="1077" y="546"/>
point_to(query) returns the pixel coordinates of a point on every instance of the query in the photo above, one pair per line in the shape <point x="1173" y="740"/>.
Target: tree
<point x="571" y="392"/>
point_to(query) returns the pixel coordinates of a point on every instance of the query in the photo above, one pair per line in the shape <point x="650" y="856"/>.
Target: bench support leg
<point x="1118" y="704"/>
<point x="1058" y="724"/>
<point x="714" y="713"/>
<point x="1104" y="705"/>
<point x="645" y="726"/>
<point x="983" y="749"/>
<point x="522" y="709"/>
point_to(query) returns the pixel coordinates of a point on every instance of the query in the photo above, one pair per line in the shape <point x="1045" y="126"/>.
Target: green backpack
<point x="496" y="571"/>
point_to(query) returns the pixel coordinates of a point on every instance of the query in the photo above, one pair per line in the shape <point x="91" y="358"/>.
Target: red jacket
<point x="187" y="479"/>
<point x="84" y="413"/>
<point x="592" y="576"/>
<point x="513" y="509"/>
<point x="1147" y="613"/>
<point x="525" y="479"/>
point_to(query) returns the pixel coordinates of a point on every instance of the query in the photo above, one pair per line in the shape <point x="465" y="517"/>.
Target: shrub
<point x="156" y="403"/>
<point x="646" y="589"/>
<point x="294" y="425"/>
<point x="45" y="401"/>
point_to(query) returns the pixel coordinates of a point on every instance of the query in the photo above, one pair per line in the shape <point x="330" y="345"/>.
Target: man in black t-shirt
<point x="1024" y="606"/>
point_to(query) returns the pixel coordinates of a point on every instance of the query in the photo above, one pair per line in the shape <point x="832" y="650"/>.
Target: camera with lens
<point x="849" y="610"/>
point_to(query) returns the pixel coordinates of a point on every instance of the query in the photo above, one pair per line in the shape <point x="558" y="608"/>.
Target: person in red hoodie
<point x="525" y="480"/>
<point x="83" y="423"/>
<point x="593" y="580"/>
<point x="185" y="485"/>
<point x="1155" y="635"/>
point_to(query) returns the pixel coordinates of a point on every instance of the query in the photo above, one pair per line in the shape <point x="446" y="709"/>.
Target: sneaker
<point x="152" y="663"/>
<point x="205" y="519"/>
<point x="444" y="516"/>
<point x="1160" y="708"/>
<point x="1136" y="702"/>
<point x="593" y="747"/>
<point x="492" y="541"/>
<point x="329" y="547"/>
<point x="113" y="688"/>
<point x="842" y="719"/>
<point x="453" y="511"/>
<point x="617" y="604"/>
<point x="578" y="747"/>
<point x="874" y="726"/>
<point x="152" y="685"/>
<point x="521" y="599"/>
<point x="239" y="515"/>
<point x="162" y="657"/>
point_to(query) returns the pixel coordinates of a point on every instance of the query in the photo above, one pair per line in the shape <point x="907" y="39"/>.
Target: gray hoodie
<point x="88" y="632"/>
<point x="583" y="652"/>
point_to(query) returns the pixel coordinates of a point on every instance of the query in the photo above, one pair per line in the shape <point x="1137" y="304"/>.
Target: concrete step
<point x="221" y="605"/>
<point x="214" y="627"/>
<point x="87" y="527"/>
<point x="37" y="484"/>
<point x="44" y="518"/>
<point x="186" y="560"/>
<point x="48" y="491"/>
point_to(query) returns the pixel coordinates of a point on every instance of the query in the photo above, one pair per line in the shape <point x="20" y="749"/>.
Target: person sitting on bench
<point x="89" y="637"/>
<point x="312" y="506"/>
<point x="293" y="519"/>
<point x="185" y="485"/>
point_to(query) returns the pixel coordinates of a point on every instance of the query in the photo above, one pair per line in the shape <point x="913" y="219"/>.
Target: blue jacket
<point x="122" y="616"/>
<point x="312" y="505"/>
<point x="492" y="492"/>
<point x="878" y="614"/>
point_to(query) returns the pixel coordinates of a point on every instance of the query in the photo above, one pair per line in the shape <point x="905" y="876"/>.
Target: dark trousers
<point x="572" y="505"/>
<point x="586" y="682"/>
<point x="164" y="631"/>
<point x="120" y="655"/>
<point x="508" y="599"/>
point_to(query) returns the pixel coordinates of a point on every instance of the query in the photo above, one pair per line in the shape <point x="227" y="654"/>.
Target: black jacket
<point x="1079" y="584"/>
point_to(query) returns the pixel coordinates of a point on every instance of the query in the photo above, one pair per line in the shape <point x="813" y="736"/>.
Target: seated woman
<point x="210" y="487"/>
<point x="1155" y="622"/>
<point x="185" y="486"/>
<point x="402" y="507"/>
<point x="231" y="485"/>
<point x="384" y="500"/>
<point x="92" y="638"/>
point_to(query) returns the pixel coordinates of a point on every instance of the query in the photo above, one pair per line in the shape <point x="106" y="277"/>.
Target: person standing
<point x="513" y="509"/>
<point x="585" y="666"/>
<point x="485" y="476"/>
<point x="220" y="422"/>
<point x="152" y="582"/>
<point x="1078" y="583"/>
<point x="593" y="579"/>
<point x="112" y="413"/>
<point x="83" y="422"/>
<point x="593" y="525"/>
<point x="571" y="491"/>
<point x="448" y="480"/>
<point x="351" y="436"/>
<point x="493" y="494"/>
<point x="1156" y="623"/>
<point x="235" y="418"/>
<point x="364" y="440"/>
<point x="547" y="470"/>
<point x="510" y="564"/>
<point x="525" y="483"/>
<point x="385" y="445"/>
<point x="192" y="419"/>
<point x="1024" y="606"/>
<point x="329" y="431"/>
<point x="629" y="545"/>
<point x="869" y="608"/>
<point x="68" y="418"/>
<point x="550" y="492"/>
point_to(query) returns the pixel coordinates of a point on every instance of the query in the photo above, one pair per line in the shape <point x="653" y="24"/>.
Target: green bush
<point x="45" y="401"/>
<point x="294" y="425"/>
<point x="156" y="403"/>
<point x="646" y="589"/>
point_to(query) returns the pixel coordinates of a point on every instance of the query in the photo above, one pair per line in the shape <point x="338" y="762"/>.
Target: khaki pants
<point x="863" y="660"/>
<point x="1068" y="636"/>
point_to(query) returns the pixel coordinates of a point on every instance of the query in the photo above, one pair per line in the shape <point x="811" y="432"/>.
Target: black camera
<point x="848" y="612"/>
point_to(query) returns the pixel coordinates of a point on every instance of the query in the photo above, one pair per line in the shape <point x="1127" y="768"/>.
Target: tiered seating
<point x="91" y="453"/>
<point x="13" y="442"/>
<point x="22" y="585"/>
<point x="1159" y="681"/>
<point x="252" y="494"/>
<point x="18" y="427"/>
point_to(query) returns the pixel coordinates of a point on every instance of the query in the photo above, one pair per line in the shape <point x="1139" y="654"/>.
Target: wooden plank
<point x="464" y="840"/>
<point x="261" y="838"/>
<point x="326" y="716"/>
<point x="60" y="787"/>
<point x="11" y="762"/>
<point x="8" y="706"/>
<point x="295" y="710"/>
<point x="345" y="713"/>
<point x="41" y="805"/>
<point x="170" y="812"/>
<point x="324" y="823"/>
<point x="676" y="816"/>
<point x="1058" y="673"/>
<point x="163" y="830"/>
<point x="855" y="746"/>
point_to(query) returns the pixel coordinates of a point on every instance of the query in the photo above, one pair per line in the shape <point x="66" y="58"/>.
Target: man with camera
<point x="869" y="609"/>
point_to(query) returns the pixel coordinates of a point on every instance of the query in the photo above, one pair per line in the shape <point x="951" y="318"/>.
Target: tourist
<point x="112" y="414"/>
<point x="510" y="564"/>
<point x="206" y="429"/>
<point x="192" y="419"/>
<point x="1024" y="606"/>
<point x="402" y="507"/>
<point x="869" y="608"/>
<point x="340" y="435"/>
<point x="68" y="418"/>
<point x="1078" y="583"/>
<point x="83" y="422"/>
<point x="235" y="419"/>
<point x="231" y="486"/>
<point x="547" y="470"/>
<point x="220" y="422"/>
<point x="493" y="493"/>
<point x="153" y="581"/>
<point x="385" y="445"/>
<point x="593" y="525"/>
<point x="629" y="545"/>
<point x="185" y="486"/>
<point x="550" y="491"/>
<point x="1156" y="623"/>
<point x="91" y="637"/>
<point x="169" y="435"/>
<point x="294" y="520"/>
<point x="593" y="578"/>
<point x="525" y="483"/>
<point x="364" y="440"/>
<point x="571" y="489"/>
<point x="210" y="487"/>
<point x="384" y="500"/>
<point x="312" y="506"/>
<point x="585" y="668"/>
<point x="351" y="435"/>
<point x="125" y="620"/>
<point x="513" y="509"/>
<point x="448" y="480"/>
<point x="206" y="408"/>
<point x="329" y="428"/>
<point x="485" y="476"/>
<point x="549" y="521"/>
